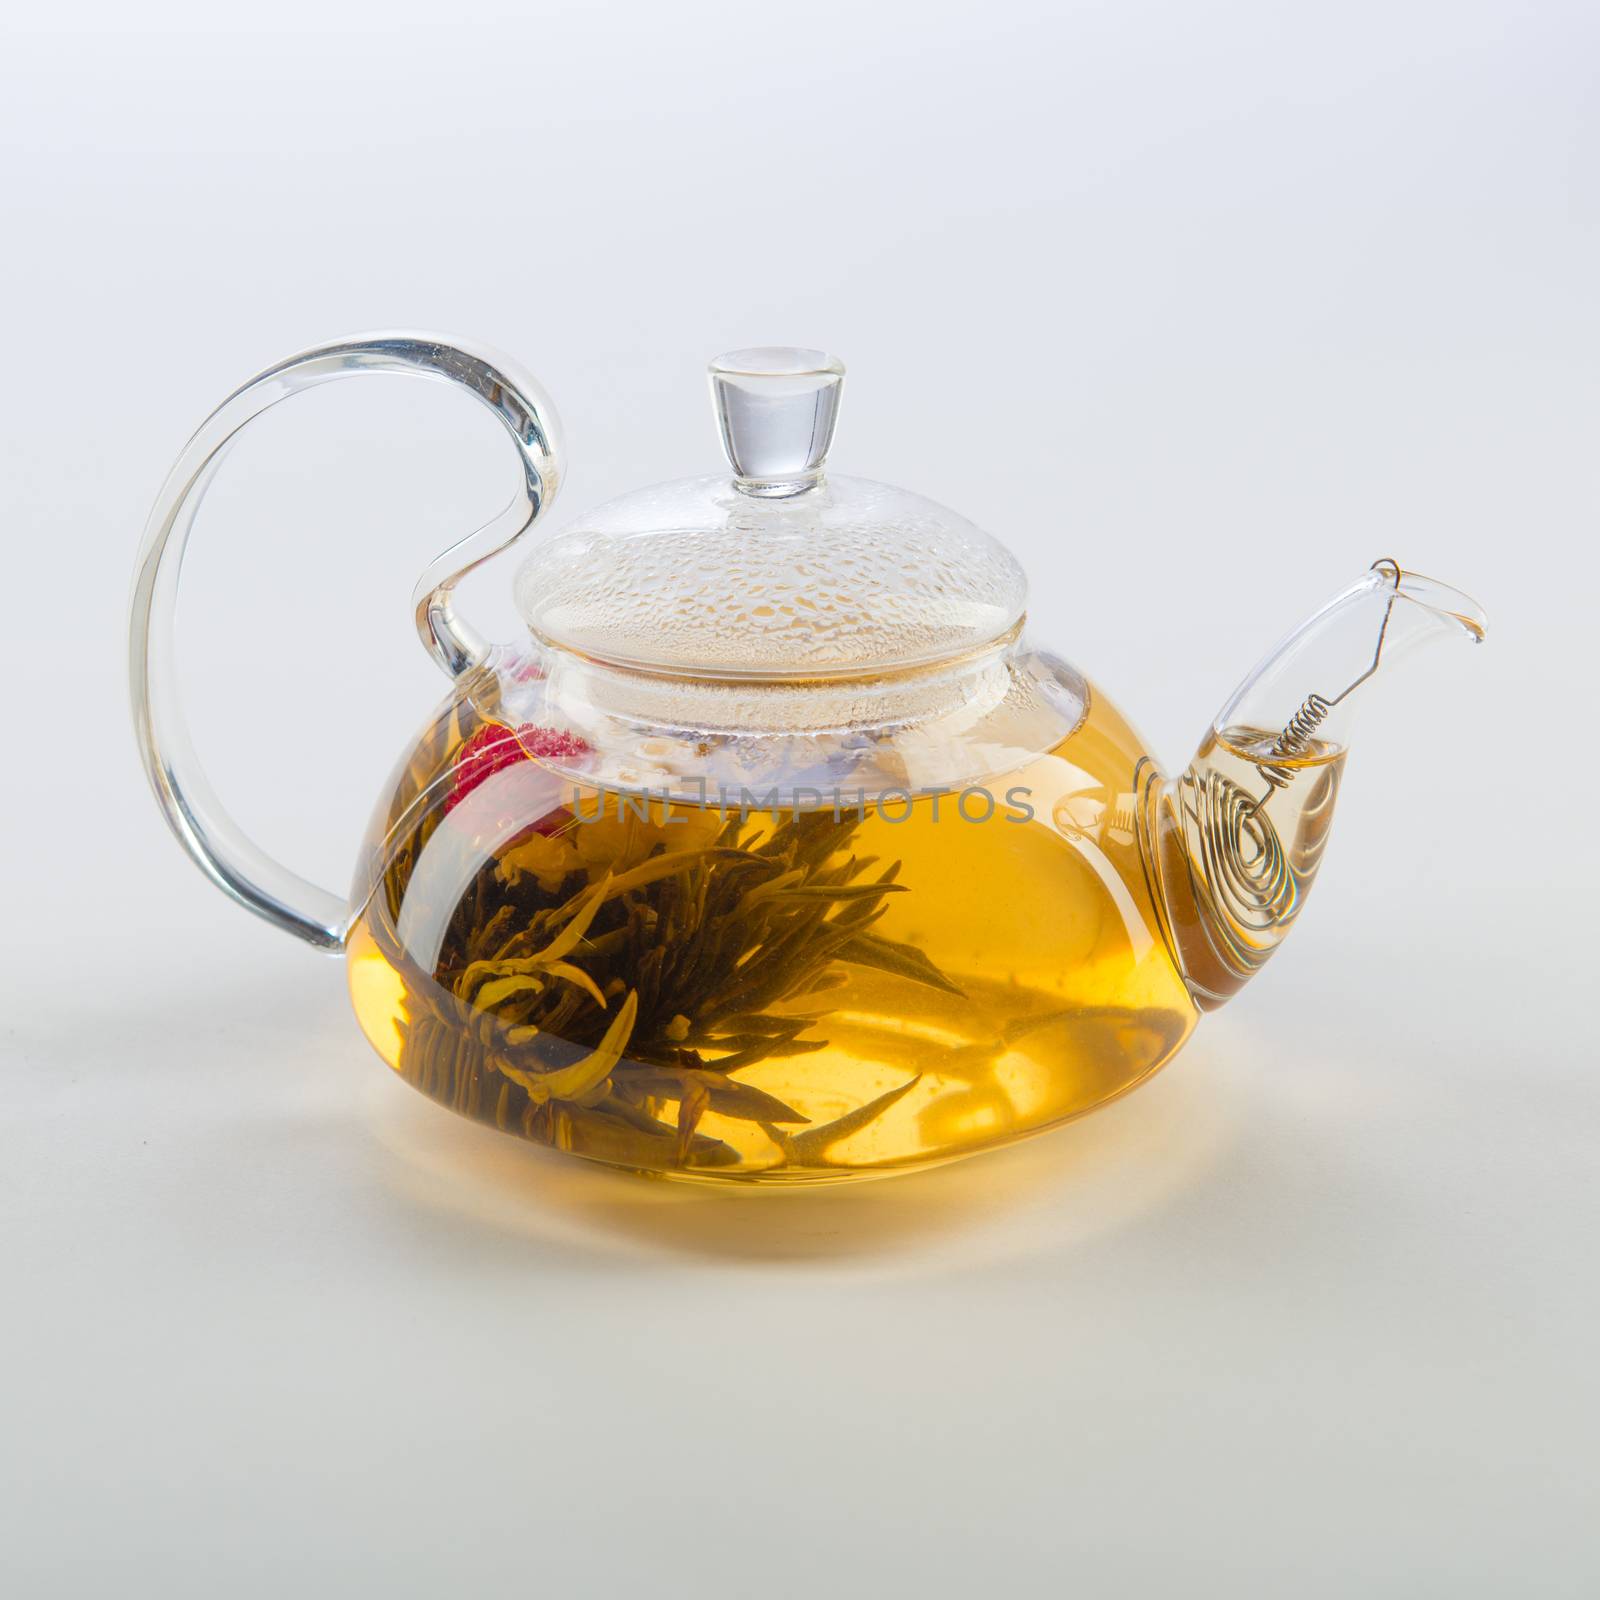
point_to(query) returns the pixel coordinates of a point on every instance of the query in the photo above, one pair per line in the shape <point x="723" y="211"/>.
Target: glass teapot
<point x="775" y="851"/>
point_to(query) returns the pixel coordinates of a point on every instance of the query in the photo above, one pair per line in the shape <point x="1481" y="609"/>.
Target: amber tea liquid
<point x="1007" y="974"/>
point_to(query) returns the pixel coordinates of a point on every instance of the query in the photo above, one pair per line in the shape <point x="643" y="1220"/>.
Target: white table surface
<point x="1201" y="316"/>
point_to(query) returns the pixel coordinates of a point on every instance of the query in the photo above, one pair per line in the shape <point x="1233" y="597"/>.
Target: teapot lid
<point x="779" y="571"/>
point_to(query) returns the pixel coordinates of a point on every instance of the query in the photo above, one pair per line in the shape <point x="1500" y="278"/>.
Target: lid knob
<point x="776" y="408"/>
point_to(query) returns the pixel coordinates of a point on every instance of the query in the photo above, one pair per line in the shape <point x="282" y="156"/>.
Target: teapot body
<point x="863" y="982"/>
<point x="773" y="852"/>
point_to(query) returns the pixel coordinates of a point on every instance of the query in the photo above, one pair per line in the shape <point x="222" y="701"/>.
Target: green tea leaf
<point x="903" y="960"/>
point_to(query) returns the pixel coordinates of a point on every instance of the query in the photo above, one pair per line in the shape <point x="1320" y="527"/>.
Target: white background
<point x="1201" y="308"/>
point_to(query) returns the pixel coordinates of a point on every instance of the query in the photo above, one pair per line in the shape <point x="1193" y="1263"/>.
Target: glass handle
<point x="236" y="865"/>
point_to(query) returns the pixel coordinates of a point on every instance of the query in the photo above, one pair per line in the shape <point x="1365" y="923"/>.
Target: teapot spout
<point x="1233" y="845"/>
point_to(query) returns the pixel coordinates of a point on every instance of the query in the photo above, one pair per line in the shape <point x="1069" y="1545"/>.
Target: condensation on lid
<point x="851" y="576"/>
<point x="778" y="570"/>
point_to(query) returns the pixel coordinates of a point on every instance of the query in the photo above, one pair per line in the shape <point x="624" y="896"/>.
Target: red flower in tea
<point x="524" y="669"/>
<point x="494" y="747"/>
<point x="554" y="744"/>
